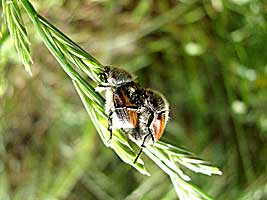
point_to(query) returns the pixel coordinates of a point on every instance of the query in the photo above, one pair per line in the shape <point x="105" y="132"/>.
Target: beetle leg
<point x="110" y="117"/>
<point x="110" y="125"/>
<point x="150" y="120"/>
<point x="101" y="87"/>
<point x="141" y="149"/>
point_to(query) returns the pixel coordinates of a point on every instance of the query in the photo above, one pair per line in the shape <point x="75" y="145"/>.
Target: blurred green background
<point x="209" y="58"/>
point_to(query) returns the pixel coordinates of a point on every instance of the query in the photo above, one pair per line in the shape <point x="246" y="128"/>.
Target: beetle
<point x="122" y="99"/>
<point x="153" y="117"/>
<point x="141" y="113"/>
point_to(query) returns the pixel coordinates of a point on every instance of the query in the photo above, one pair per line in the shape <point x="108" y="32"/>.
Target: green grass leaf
<point x="17" y="30"/>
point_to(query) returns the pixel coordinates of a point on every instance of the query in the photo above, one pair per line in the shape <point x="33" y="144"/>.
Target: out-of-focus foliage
<point x="209" y="58"/>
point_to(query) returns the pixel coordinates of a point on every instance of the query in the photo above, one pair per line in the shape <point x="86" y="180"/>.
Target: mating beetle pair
<point x="141" y="113"/>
